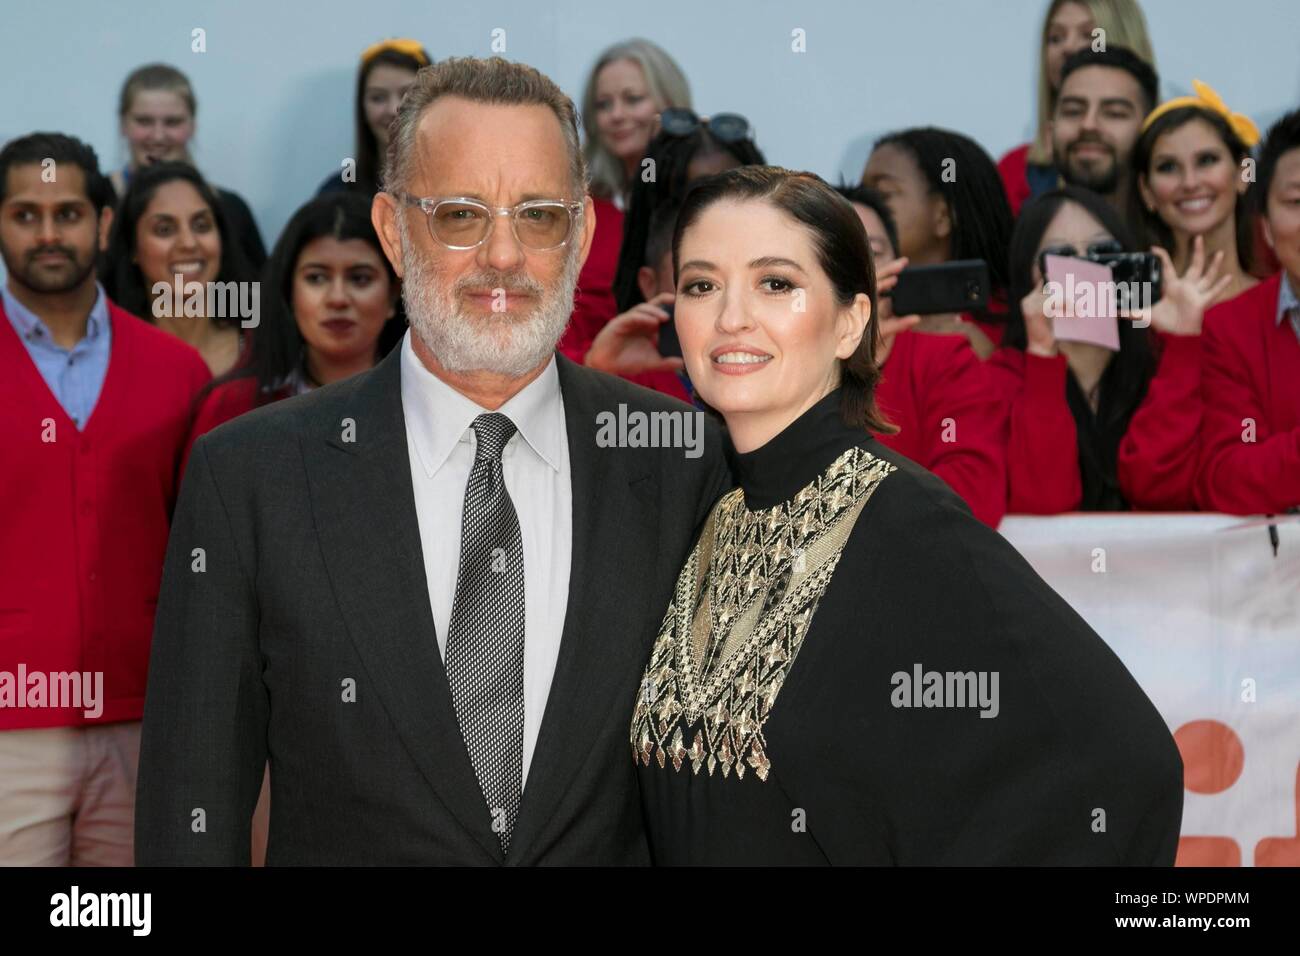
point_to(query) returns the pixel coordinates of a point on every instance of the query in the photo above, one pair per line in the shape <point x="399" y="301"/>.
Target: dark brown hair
<point x="369" y="162"/>
<point x="1154" y="231"/>
<point x="843" y="252"/>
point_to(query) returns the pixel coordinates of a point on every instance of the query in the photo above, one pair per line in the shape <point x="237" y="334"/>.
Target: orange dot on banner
<point x="1212" y="755"/>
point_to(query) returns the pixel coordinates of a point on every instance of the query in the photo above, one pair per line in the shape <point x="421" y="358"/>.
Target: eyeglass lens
<point x="543" y="226"/>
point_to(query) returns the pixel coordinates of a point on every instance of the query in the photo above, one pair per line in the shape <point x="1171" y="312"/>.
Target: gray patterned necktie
<point x="485" y="641"/>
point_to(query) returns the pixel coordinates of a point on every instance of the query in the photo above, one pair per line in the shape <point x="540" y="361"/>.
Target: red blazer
<point x="1042" y="444"/>
<point x="86" y="516"/>
<point x="936" y="390"/>
<point x="1158" y="454"/>
<point x="1250" y="376"/>
<point x="594" y="304"/>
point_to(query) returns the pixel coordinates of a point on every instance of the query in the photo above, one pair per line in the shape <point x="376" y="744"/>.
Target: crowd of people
<point x="111" y="372"/>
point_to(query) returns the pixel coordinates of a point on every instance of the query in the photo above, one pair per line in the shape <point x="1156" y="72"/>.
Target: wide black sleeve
<point x="1072" y="765"/>
<point x="203" y="744"/>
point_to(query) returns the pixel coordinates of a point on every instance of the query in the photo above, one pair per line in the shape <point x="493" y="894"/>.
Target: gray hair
<point x="667" y="86"/>
<point x="494" y="80"/>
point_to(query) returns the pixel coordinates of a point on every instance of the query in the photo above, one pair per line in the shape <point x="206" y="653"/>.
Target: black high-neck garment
<point x="776" y="471"/>
<point x="771" y="724"/>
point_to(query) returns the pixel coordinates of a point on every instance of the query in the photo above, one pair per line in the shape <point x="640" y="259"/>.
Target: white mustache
<point x="519" y="287"/>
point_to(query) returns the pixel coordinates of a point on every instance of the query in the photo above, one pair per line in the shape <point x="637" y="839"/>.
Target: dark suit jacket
<point x="313" y="581"/>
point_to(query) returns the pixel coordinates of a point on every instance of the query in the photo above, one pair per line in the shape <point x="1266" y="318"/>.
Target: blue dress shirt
<point x="75" y="375"/>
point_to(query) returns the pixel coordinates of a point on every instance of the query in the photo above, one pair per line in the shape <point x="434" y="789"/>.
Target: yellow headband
<point x="411" y="48"/>
<point x="1207" y="99"/>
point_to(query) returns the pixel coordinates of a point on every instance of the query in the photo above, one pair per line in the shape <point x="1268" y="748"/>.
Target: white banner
<point x="1207" y="620"/>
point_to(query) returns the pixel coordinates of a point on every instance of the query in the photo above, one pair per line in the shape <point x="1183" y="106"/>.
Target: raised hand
<point x="1040" y="338"/>
<point x="888" y="324"/>
<point x="1184" y="299"/>
<point x="629" y="343"/>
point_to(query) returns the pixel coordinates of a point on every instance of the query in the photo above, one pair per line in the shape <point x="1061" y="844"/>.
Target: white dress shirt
<point x="535" y="464"/>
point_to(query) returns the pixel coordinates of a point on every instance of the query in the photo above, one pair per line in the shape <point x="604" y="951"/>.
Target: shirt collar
<point x="438" y="416"/>
<point x="29" y="324"/>
<point x="1286" y="299"/>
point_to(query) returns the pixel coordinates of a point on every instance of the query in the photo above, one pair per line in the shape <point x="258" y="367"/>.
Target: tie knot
<point x="491" y="431"/>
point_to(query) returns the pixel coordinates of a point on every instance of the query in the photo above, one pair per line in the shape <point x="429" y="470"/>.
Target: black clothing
<point x="314" y="575"/>
<point x="854" y="670"/>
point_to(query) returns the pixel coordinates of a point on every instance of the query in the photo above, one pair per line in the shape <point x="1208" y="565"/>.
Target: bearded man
<point x="425" y="594"/>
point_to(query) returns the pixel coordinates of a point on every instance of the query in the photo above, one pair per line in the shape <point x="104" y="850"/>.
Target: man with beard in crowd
<point x="94" y="414"/>
<point x="1104" y="97"/>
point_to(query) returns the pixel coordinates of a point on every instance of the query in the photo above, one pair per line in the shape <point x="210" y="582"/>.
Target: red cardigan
<point x="1250" y="374"/>
<point x="1158" y="453"/>
<point x="594" y="304"/>
<point x="86" y="516"/>
<point x="936" y="390"/>
<point x="1042" y="444"/>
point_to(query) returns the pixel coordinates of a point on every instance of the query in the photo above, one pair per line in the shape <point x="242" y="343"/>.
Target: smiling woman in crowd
<point x="386" y="72"/>
<point x="158" y="116"/>
<point x="329" y="293"/>
<point x="172" y="228"/>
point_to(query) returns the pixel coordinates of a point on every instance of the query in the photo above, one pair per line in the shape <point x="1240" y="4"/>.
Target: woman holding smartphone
<point x="1071" y="403"/>
<point x="852" y="668"/>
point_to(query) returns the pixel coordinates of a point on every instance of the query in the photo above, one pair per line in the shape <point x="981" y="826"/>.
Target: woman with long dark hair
<point x="825" y="598"/>
<point x="171" y="231"/>
<point x="1188" y="165"/>
<point x="1071" y="403"/>
<point x="1192" y="199"/>
<point x="948" y="203"/>
<point x="329" y="310"/>
<point x="386" y="72"/>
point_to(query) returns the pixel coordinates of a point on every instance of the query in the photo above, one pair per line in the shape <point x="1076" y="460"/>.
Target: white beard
<point x="501" y="342"/>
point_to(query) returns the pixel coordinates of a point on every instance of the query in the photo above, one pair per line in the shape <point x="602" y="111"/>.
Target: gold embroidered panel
<point x="741" y="608"/>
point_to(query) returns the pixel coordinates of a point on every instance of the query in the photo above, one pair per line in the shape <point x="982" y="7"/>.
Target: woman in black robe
<point x="853" y="669"/>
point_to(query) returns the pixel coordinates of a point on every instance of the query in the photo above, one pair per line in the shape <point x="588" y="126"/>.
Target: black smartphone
<point x="960" y="286"/>
<point x="669" y="345"/>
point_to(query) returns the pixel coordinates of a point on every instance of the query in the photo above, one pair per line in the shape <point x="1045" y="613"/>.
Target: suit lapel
<point x="364" y="508"/>
<point x="614" y="541"/>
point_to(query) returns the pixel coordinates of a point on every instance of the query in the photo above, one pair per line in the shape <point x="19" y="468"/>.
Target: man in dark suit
<point x="426" y="594"/>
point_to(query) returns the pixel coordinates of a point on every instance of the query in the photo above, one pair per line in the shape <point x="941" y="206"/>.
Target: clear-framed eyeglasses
<point x="460" y="222"/>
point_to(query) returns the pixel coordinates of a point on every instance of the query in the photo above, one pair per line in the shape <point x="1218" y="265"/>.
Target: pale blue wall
<point x="275" y="84"/>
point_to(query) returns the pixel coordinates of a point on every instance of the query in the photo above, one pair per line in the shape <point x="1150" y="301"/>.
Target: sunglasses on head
<point x="724" y="127"/>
